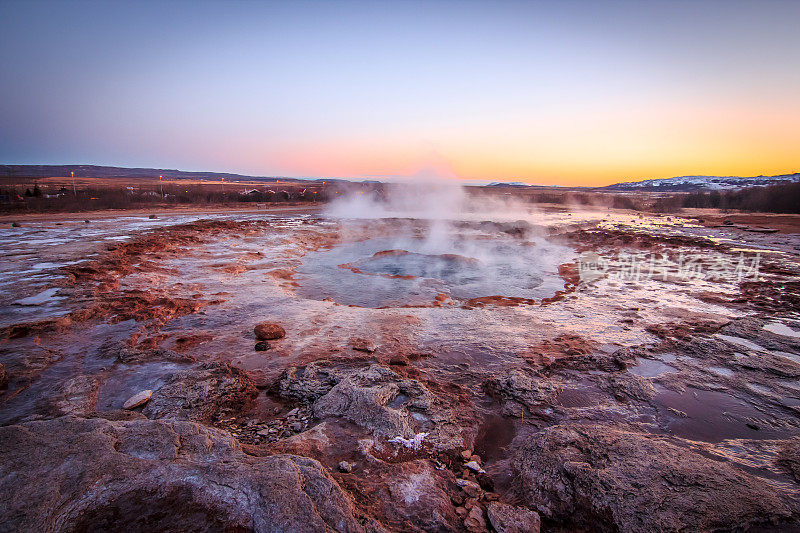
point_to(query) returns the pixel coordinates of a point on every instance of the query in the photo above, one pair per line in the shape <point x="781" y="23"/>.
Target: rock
<point x="472" y="489"/>
<point x="631" y="386"/>
<point x="307" y="384"/>
<point x="118" y="415"/>
<point x="789" y="458"/>
<point x="475" y="520"/>
<point x="474" y="466"/>
<point x="3" y="376"/>
<point x="363" y="398"/>
<point x="152" y="217"/>
<point x="345" y="467"/>
<point x="75" y="396"/>
<point x="362" y="345"/>
<point x="203" y="394"/>
<point x="87" y="221"/>
<point x="16" y="224"/>
<point x="141" y="475"/>
<point x="262" y="346"/>
<point x="123" y="353"/>
<point x="520" y="388"/>
<point x="297" y="427"/>
<point x="485" y="481"/>
<point x="379" y="400"/>
<point x="594" y="475"/>
<point x="466" y="455"/>
<point x="417" y="494"/>
<point x="506" y="518"/>
<point x="138" y="399"/>
<point x="268" y="331"/>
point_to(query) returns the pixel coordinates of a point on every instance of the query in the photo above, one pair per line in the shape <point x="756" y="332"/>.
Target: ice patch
<point x="741" y="342"/>
<point x="414" y="443"/>
<point x="41" y="298"/>
<point x="782" y="329"/>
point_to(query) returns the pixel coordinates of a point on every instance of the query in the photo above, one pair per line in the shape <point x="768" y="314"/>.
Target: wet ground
<point x="476" y="333"/>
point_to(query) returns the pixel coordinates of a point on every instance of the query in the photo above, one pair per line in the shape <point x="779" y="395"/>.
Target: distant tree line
<point x="43" y="199"/>
<point x="781" y="198"/>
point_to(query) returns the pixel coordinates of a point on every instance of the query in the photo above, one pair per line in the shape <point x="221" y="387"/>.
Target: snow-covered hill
<point x="693" y="183"/>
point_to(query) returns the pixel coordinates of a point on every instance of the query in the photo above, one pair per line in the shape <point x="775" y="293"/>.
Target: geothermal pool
<point x="395" y="272"/>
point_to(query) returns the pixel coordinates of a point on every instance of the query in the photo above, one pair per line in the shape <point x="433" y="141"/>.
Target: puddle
<point x="759" y="388"/>
<point x="713" y="416"/>
<point x="721" y="371"/>
<point x="787" y="355"/>
<point x="41" y="298"/>
<point x="576" y="398"/>
<point x="494" y="436"/>
<point x="668" y="357"/>
<point x="125" y="381"/>
<point x="782" y="329"/>
<point x="741" y="342"/>
<point x="650" y="368"/>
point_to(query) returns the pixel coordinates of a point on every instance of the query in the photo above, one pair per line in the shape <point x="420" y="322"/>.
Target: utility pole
<point x="161" y="186"/>
<point x="74" y="191"/>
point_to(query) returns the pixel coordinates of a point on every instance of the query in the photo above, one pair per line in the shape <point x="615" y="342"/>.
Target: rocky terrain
<point x="300" y="373"/>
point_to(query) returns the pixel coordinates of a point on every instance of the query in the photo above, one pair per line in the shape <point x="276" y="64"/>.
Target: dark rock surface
<point x="376" y="399"/>
<point x="611" y="479"/>
<point x="70" y="474"/>
<point x="203" y="394"/>
<point x="511" y="519"/>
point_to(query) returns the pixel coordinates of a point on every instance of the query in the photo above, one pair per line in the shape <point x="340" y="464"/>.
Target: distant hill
<point x="696" y="183"/>
<point x="94" y="171"/>
<point x="508" y="184"/>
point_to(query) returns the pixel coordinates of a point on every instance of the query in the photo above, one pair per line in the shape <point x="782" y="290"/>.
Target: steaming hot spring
<point x="425" y="265"/>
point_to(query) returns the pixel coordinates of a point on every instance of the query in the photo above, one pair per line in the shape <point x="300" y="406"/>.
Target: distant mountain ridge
<point x="694" y="183"/>
<point x="97" y="171"/>
<point x="677" y="184"/>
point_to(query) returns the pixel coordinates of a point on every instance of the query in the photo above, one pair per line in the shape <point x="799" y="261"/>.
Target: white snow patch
<point x="415" y="443"/>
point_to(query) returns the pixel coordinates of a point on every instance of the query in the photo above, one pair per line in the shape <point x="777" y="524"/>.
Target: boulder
<point x="70" y="474"/>
<point x="138" y="399"/>
<point x="602" y="478"/>
<point x="203" y="394"/>
<point x="379" y="400"/>
<point x="630" y="386"/>
<point x="268" y="331"/>
<point x="475" y="520"/>
<point x="512" y="519"/>
<point x="364" y="397"/>
<point x="520" y="388"/>
<point x="418" y="495"/>
<point x="362" y="345"/>
<point x="789" y="457"/>
<point x="307" y="383"/>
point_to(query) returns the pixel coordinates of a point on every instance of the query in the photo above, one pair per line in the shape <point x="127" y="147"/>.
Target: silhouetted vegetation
<point x="59" y="198"/>
<point x="782" y="198"/>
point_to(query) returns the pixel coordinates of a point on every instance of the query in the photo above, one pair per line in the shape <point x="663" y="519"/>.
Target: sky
<point x="562" y="92"/>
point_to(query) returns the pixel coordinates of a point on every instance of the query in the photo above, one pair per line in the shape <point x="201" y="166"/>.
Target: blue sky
<point x="548" y="92"/>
